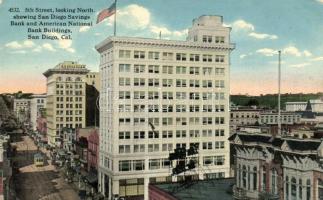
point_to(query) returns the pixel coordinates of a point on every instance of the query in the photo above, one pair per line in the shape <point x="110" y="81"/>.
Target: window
<point x="167" y="56"/>
<point x="167" y="121"/>
<point x="139" y="95"/>
<point x="124" y="53"/>
<point x="153" y="108"/>
<point x="153" y="147"/>
<point x="139" y="55"/>
<point x="139" y="82"/>
<point x="139" y="135"/>
<point x="207" y="38"/>
<point x="293" y="188"/>
<point x="124" y="148"/>
<point x="194" y="57"/>
<point x="153" y="82"/>
<point x="219" y="71"/>
<point x="207" y="145"/>
<point x="167" y="95"/>
<point x="195" y="70"/>
<point x="153" y="69"/>
<point x="153" y="95"/>
<point x="207" y="58"/>
<point x="154" y="164"/>
<point x="274" y="176"/>
<point x="219" y="83"/>
<point x="139" y="165"/>
<point x="125" y="165"/>
<point x="219" y="39"/>
<point x="167" y="69"/>
<point x="308" y="189"/>
<point x="207" y="160"/>
<point x="167" y="82"/>
<point x="181" y="56"/>
<point x="244" y="176"/>
<point x="153" y="55"/>
<point x="207" y="70"/>
<point x="124" y="67"/>
<point x="180" y="108"/>
<point x="139" y="68"/>
<point x="180" y="70"/>
<point x="207" y="83"/>
<point x="124" y="81"/>
<point x="138" y="148"/>
<point x="255" y="181"/>
<point x="124" y="94"/>
<point x="180" y="83"/>
<point x="180" y="95"/>
<point x="138" y="108"/>
<point x="264" y="178"/>
<point x="124" y="135"/>
<point x="167" y="147"/>
<point x="167" y="134"/>
<point x="219" y="160"/>
<point x="219" y="58"/>
<point x="153" y="121"/>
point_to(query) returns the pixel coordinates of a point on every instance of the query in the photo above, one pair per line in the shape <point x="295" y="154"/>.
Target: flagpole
<point x="115" y="19"/>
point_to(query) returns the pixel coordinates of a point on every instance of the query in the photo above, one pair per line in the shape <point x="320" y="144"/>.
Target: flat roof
<point x="201" y="189"/>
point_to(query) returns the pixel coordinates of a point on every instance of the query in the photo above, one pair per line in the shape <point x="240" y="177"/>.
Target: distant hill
<point x="270" y="100"/>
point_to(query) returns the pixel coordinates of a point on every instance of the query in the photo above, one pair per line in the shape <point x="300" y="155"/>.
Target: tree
<point x="252" y="102"/>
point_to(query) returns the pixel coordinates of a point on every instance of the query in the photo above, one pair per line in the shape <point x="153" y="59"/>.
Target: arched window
<point x="264" y="178"/>
<point x="78" y="79"/>
<point x="300" y="189"/>
<point x="248" y="177"/>
<point x="308" y="189"/>
<point x="287" y="187"/>
<point x="68" y="79"/>
<point x="59" y="78"/>
<point x="255" y="181"/>
<point x="293" y="188"/>
<point x="244" y="176"/>
<point x="274" y="181"/>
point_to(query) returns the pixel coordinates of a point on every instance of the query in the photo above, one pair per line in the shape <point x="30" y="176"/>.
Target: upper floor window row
<point x="154" y="55"/>
<point x="215" y="39"/>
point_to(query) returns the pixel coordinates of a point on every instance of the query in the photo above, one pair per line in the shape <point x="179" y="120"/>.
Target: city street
<point x="33" y="182"/>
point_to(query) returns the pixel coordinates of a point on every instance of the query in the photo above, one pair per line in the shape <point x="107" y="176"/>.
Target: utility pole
<point x="279" y="84"/>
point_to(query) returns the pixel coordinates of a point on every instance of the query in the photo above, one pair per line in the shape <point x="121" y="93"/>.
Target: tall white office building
<point x="157" y="95"/>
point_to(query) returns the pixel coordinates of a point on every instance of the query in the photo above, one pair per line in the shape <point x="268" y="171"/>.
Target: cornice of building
<point x="162" y="43"/>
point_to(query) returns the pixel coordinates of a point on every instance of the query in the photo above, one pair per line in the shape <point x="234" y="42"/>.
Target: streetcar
<point x="38" y="160"/>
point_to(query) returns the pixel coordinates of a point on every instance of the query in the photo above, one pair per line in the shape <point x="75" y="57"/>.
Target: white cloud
<point x="19" y="52"/>
<point x="267" y="51"/>
<point x="242" y="25"/>
<point x="84" y="28"/>
<point x="63" y="43"/>
<point x="320" y="58"/>
<point x="262" y="36"/>
<point x="13" y="45"/>
<point x="320" y="1"/>
<point x="291" y="50"/>
<point x="307" y="53"/>
<point x="133" y="17"/>
<point x="1" y="1"/>
<point x="300" y="65"/>
<point x="48" y="47"/>
<point x="37" y="49"/>
<point x="242" y="56"/>
<point x="20" y="45"/>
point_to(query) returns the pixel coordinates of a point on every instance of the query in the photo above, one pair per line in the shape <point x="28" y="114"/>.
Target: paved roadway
<point x="38" y="183"/>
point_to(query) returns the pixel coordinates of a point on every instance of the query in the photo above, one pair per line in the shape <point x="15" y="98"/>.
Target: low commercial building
<point x="244" y="116"/>
<point x="317" y="105"/>
<point x="269" y="167"/>
<point x="271" y="118"/>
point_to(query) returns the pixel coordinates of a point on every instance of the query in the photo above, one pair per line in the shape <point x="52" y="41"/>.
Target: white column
<point x="146" y="183"/>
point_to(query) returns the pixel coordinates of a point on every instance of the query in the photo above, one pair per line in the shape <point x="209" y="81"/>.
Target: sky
<point x="259" y="29"/>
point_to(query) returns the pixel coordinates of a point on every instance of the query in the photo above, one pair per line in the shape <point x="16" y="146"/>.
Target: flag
<point x="106" y="13"/>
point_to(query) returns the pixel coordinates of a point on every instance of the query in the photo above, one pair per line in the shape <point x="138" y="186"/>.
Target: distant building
<point x="281" y="168"/>
<point x="317" y="105"/>
<point x="5" y="167"/>
<point x="93" y="78"/>
<point x="66" y="99"/>
<point x="244" y="116"/>
<point x="93" y="150"/>
<point x="37" y="104"/>
<point x="271" y="118"/>
<point x="21" y="108"/>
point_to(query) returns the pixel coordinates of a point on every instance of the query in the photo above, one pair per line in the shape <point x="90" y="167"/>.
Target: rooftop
<point x="196" y="190"/>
